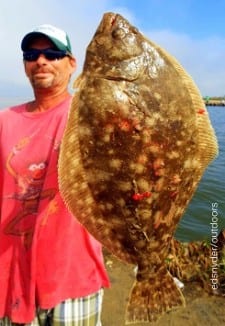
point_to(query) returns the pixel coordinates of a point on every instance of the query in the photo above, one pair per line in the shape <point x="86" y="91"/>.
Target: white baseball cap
<point x="57" y="36"/>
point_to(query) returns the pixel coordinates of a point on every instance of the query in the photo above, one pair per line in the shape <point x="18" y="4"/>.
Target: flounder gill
<point x="136" y="144"/>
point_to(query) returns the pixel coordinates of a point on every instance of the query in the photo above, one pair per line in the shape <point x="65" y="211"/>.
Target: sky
<point x="191" y="30"/>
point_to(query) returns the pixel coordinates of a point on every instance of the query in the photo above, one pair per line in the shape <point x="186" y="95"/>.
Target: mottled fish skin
<point x="136" y="145"/>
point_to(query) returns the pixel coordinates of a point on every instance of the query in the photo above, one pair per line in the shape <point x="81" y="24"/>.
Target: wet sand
<point x="201" y="309"/>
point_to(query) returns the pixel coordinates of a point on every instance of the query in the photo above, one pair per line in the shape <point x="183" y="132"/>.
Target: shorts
<point x="85" y="311"/>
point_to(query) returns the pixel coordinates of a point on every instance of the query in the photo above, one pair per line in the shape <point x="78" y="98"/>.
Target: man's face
<point x="44" y="73"/>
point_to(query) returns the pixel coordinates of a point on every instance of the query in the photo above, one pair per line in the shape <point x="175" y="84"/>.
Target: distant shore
<point x="215" y="102"/>
<point x="4" y="102"/>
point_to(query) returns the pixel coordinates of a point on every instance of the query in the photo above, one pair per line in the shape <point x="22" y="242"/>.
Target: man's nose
<point x="41" y="59"/>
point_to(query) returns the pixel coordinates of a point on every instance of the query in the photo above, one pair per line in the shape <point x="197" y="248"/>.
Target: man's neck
<point x="44" y="101"/>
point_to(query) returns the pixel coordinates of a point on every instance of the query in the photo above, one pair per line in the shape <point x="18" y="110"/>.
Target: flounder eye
<point x="118" y="33"/>
<point x="135" y="30"/>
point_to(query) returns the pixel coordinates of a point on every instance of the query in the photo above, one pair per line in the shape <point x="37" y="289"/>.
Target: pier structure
<point x="214" y="102"/>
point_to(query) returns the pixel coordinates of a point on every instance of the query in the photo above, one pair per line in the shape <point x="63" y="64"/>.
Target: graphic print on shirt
<point x="29" y="194"/>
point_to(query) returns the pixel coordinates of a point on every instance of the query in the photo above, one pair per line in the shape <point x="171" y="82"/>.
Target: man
<point x="51" y="269"/>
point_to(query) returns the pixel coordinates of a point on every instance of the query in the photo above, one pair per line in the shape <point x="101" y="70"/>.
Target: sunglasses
<point x="50" y="54"/>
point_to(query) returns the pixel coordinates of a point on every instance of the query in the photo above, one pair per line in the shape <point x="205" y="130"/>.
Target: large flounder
<point x="137" y="142"/>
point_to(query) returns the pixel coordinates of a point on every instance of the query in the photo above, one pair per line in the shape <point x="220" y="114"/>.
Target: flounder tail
<point x="149" y="299"/>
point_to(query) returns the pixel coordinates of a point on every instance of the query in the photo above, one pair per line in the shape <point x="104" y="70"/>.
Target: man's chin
<point x="42" y="83"/>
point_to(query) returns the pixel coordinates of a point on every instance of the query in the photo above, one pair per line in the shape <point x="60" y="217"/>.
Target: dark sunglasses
<point x="50" y="54"/>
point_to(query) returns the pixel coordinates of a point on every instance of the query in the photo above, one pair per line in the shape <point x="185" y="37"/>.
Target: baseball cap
<point x="57" y="36"/>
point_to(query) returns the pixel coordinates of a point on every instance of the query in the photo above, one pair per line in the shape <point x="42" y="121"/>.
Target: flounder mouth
<point x="108" y="21"/>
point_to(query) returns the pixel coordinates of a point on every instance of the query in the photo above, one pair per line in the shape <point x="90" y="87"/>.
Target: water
<point x="195" y="224"/>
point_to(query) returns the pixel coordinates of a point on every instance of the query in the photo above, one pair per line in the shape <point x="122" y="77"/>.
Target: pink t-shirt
<point x="46" y="256"/>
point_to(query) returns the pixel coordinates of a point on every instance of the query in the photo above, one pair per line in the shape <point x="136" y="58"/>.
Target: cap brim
<point x="25" y="44"/>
